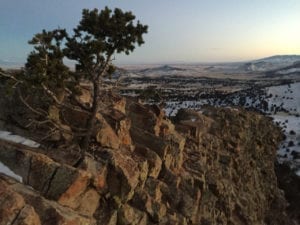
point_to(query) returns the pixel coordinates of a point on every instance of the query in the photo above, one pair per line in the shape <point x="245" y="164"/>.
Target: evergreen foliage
<point x="45" y="64"/>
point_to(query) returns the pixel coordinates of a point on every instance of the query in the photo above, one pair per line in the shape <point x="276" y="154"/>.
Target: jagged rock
<point x="113" y="101"/>
<point x="152" y="206"/>
<point x="120" y="124"/>
<point x="128" y="215"/>
<point x="166" y="128"/>
<point x="144" y="138"/>
<point x="41" y="172"/>
<point x="27" y="216"/>
<point x="14" y="210"/>
<point x="123" y="172"/>
<point x="174" y="156"/>
<point x="63" y="183"/>
<point x="77" y="195"/>
<point x="88" y="203"/>
<point x="110" y="129"/>
<point x="105" y="135"/>
<point x="98" y="169"/>
<point x="154" y="161"/>
<point x="144" y="118"/>
<point x="169" y="149"/>
<point x="192" y="124"/>
<point x="119" y="103"/>
<point x="49" y="212"/>
<point x="216" y="167"/>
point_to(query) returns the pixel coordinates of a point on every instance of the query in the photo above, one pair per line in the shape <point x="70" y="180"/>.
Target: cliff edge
<point x="214" y="167"/>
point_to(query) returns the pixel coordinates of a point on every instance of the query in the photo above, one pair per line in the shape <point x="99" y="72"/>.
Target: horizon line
<point x="18" y="65"/>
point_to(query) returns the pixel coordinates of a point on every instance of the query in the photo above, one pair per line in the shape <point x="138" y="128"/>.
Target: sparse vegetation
<point x="291" y="144"/>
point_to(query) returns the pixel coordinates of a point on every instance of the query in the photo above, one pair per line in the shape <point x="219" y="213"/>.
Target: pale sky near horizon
<point x="179" y="31"/>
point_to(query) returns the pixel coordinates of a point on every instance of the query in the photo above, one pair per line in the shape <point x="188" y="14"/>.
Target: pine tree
<point x="99" y="35"/>
<point x="45" y="68"/>
<point x="96" y="39"/>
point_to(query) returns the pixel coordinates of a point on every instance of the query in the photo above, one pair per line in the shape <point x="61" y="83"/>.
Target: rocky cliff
<point x="214" y="167"/>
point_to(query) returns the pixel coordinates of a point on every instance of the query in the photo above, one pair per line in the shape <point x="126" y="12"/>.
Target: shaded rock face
<point x="290" y="183"/>
<point x="211" y="168"/>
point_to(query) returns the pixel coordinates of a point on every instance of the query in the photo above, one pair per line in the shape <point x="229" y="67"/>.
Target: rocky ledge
<point x="214" y="167"/>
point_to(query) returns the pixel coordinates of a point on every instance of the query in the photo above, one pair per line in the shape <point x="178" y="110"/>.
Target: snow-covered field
<point x="286" y="95"/>
<point x="288" y="98"/>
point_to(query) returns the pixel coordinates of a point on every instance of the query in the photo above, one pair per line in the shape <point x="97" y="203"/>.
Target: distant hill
<point x="165" y="68"/>
<point x="270" y="63"/>
<point x="147" y="72"/>
<point x="121" y="73"/>
<point x="293" y="69"/>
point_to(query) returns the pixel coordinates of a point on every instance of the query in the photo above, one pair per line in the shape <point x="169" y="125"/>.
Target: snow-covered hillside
<point x="287" y="97"/>
<point x="270" y="63"/>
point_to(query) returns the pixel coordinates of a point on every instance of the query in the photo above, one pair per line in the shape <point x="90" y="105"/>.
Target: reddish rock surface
<point x="211" y="168"/>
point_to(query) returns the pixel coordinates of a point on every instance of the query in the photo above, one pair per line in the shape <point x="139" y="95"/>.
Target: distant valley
<point x="269" y="85"/>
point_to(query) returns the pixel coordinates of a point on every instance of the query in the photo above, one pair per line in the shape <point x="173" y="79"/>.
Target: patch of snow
<point x="172" y="107"/>
<point x="5" y="170"/>
<point x="287" y="96"/>
<point x="5" y="135"/>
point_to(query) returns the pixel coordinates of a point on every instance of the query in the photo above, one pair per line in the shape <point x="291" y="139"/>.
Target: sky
<point x="179" y="31"/>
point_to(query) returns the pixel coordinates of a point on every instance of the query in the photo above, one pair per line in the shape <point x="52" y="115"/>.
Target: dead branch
<point x="28" y="106"/>
<point x="61" y="104"/>
<point x="39" y="123"/>
<point x="56" y="126"/>
<point x="51" y="94"/>
<point x="12" y="77"/>
<point x="50" y="133"/>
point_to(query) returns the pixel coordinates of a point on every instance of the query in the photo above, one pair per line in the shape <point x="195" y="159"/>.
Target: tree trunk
<point x="95" y="108"/>
<point x="91" y="120"/>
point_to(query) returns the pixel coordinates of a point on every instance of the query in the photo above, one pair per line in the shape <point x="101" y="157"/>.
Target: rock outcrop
<point x="214" y="167"/>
